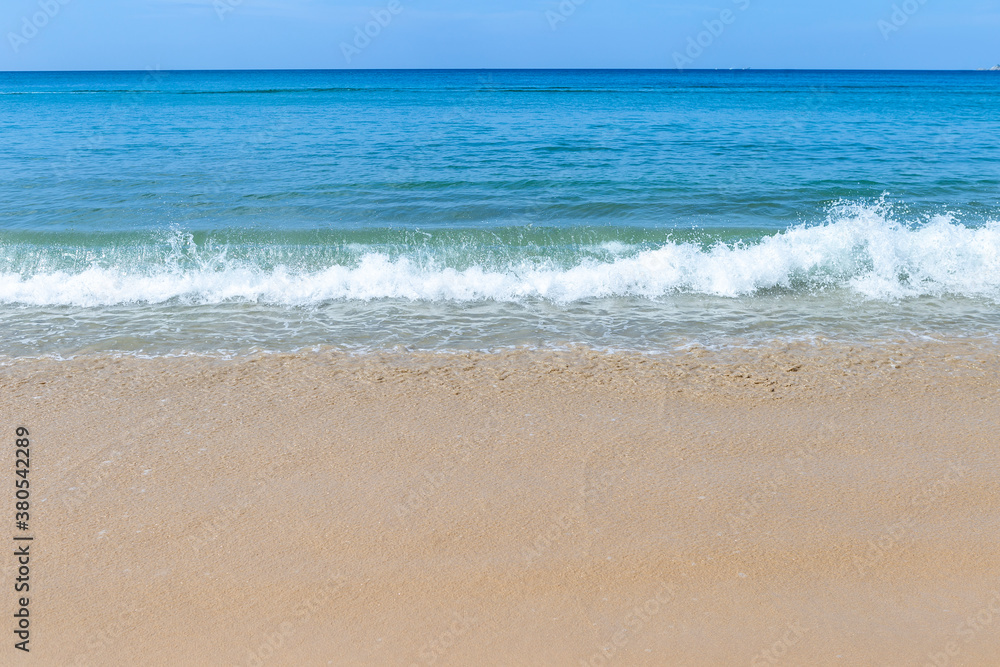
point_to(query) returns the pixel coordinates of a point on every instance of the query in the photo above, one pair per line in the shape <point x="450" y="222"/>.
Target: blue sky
<point x="237" y="34"/>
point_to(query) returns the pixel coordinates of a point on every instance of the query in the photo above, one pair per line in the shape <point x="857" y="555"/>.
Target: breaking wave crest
<point x="859" y="248"/>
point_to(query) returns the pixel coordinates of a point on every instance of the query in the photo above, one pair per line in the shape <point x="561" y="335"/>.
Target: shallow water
<point x="178" y="211"/>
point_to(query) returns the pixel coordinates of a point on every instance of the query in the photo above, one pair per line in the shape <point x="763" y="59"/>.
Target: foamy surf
<point x="860" y="248"/>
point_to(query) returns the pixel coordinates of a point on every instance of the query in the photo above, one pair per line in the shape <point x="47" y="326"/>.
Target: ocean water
<point x="173" y="212"/>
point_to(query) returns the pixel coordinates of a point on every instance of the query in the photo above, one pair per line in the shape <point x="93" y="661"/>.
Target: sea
<point x="229" y="212"/>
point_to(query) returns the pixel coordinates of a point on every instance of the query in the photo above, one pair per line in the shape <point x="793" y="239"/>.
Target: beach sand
<point x="797" y="505"/>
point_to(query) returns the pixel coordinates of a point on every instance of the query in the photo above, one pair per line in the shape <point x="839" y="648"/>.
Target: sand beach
<point x="814" y="504"/>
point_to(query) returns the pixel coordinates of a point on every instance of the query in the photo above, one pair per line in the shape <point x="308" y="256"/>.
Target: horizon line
<point x="490" y="69"/>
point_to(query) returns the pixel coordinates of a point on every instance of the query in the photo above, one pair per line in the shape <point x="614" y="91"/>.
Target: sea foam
<point x="859" y="248"/>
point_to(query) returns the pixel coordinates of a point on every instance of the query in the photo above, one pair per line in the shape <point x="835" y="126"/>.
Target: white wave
<point x="858" y="249"/>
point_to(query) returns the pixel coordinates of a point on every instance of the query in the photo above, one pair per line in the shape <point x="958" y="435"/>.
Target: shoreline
<point x="742" y="506"/>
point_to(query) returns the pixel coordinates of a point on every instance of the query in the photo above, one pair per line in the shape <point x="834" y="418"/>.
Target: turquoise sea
<point x="173" y="212"/>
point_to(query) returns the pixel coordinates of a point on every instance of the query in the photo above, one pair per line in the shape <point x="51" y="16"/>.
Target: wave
<point x="859" y="248"/>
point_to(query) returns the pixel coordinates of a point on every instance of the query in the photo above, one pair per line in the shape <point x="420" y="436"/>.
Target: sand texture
<point x="811" y="505"/>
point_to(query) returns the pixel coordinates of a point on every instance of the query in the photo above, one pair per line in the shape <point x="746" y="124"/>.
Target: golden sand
<point x="812" y="505"/>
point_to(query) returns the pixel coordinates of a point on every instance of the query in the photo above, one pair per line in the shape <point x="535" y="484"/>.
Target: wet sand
<point x="810" y="505"/>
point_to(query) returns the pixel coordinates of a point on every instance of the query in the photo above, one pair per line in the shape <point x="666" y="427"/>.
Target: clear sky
<point x="240" y="34"/>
